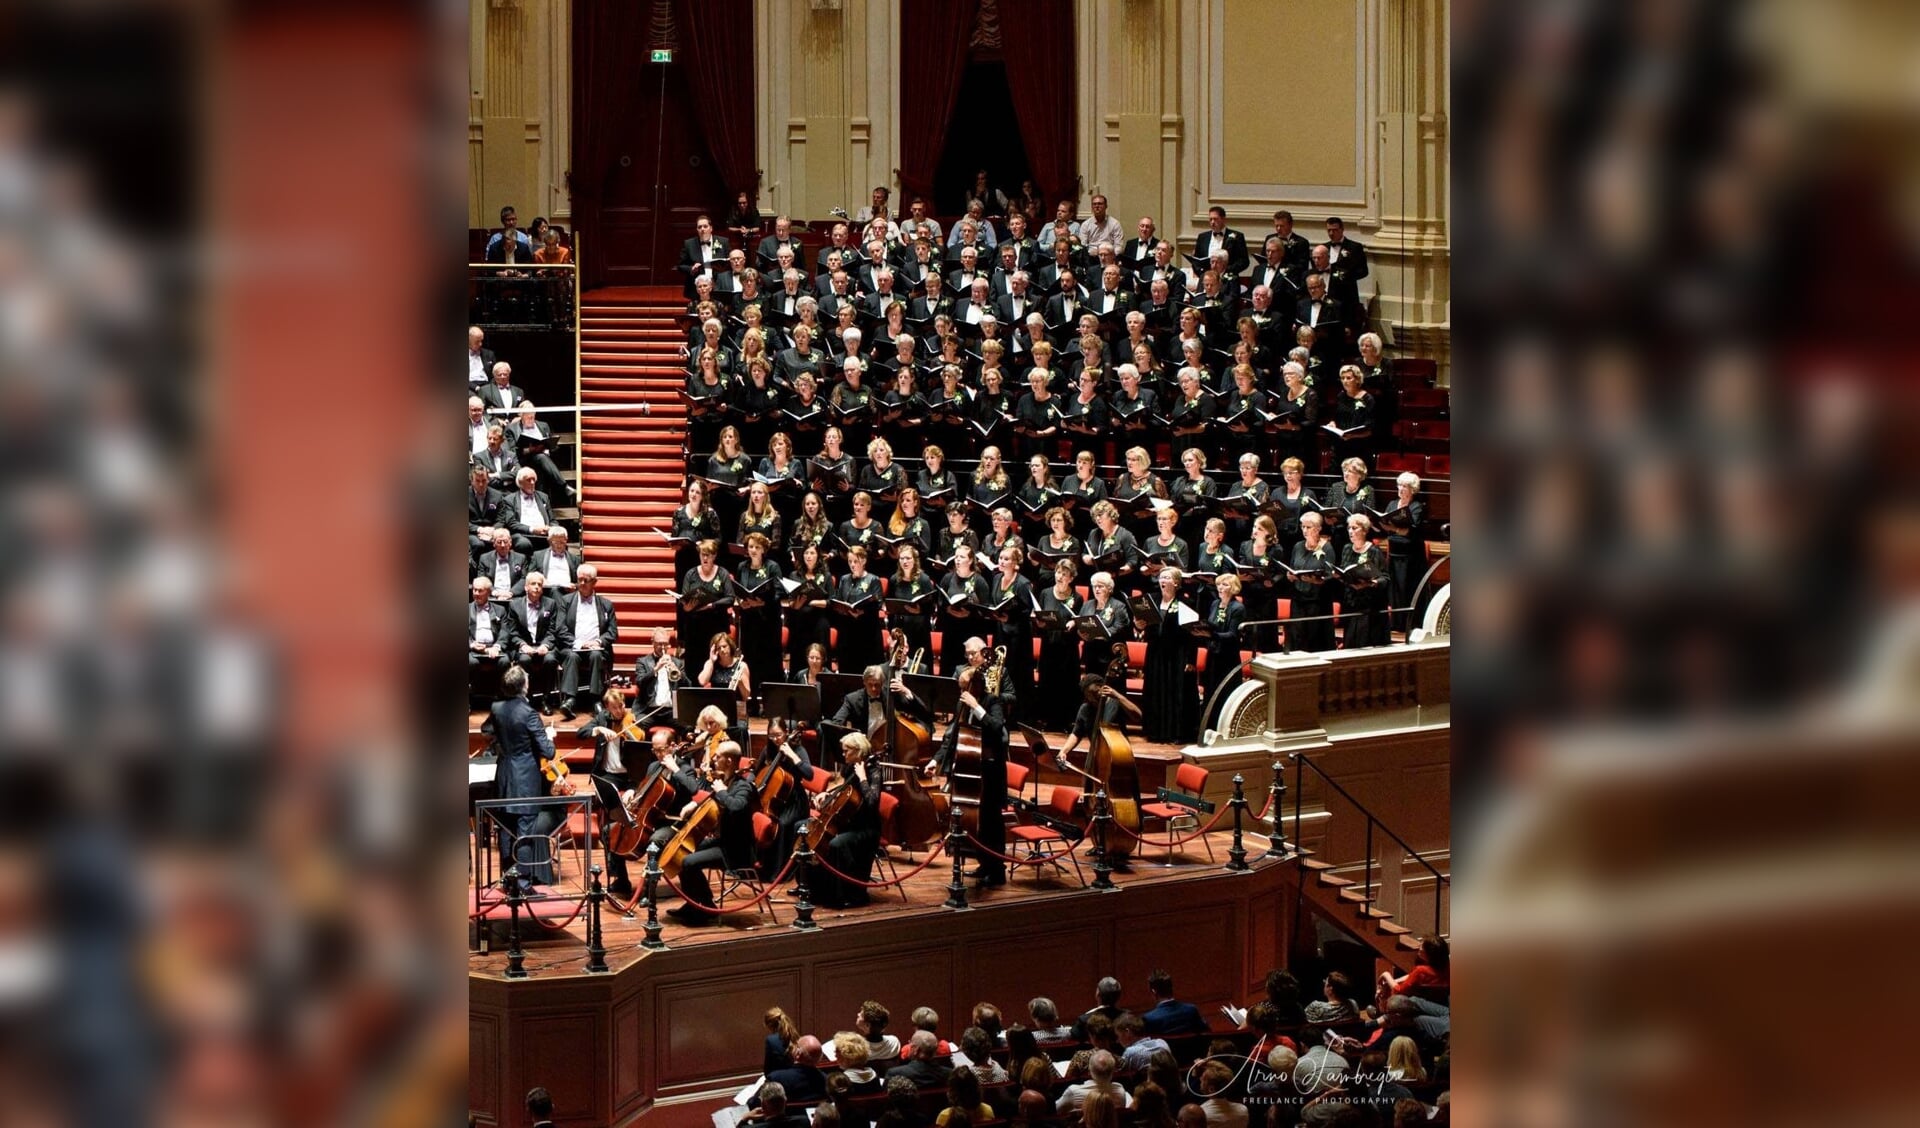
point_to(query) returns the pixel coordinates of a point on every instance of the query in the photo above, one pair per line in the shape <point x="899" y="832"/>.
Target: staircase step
<point x="1392" y="929"/>
<point x="1309" y="862"/>
<point x="1336" y="882"/>
<point x="1407" y="942"/>
<point x="1357" y="896"/>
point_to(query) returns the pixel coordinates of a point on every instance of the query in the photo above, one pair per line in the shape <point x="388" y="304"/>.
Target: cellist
<point x="789" y="756"/>
<point x="1103" y="708"/>
<point x="852" y="849"/>
<point x="731" y="848"/>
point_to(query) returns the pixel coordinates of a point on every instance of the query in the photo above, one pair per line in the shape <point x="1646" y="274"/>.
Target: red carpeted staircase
<point x="631" y="465"/>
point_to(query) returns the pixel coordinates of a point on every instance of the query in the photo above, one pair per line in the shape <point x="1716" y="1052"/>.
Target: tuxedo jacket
<point x="549" y="633"/>
<point x="992" y="726"/>
<point x="486" y="365"/>
<point x="502" y="625"/>
<point x="960" y="283"/>
<point x="853" y="709"/>
<point x="1122" y="301"/>
<point x="501" y="466"/>
<point x="770" y="250"/>
<point x="521" y="737"/>
<point x="508" y="515"/>
<point x="483" y="509"/>
<point x="542" y="558"/>
<point x="1351" y="261"/>
<point x="496" y="400"/>
<point x="1031" y="303"/>
<point x="1133" y="258"/>
<point x="690" y="261"/>
<point x="483" y="564"/>
<point x="1060" y="318"/>
<point x="1330" y="332"/>
<point x="1233" y="241"/>
<point x="1286" y="289"/>
<point x="569" y="605"/>
<point x="527" y="439"/>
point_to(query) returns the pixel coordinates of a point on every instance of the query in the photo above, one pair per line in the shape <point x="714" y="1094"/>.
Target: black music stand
<point x="794" y="701"/>
<point x="941" y="695"/>
<point x="834" y="689"/>
<point x="1037" y="748"/>
<point x="830" y="735"/>
<point x="688" y="701"/>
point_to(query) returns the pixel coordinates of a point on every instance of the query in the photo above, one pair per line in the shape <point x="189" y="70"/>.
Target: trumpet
<point x="673" y="665"/>
<point x="996" y="671"/>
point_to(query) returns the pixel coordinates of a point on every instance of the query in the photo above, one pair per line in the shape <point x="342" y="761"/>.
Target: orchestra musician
<point x="732" y="848"/>
<point x="725" y="669"/>
<point x="790" y="756"/>
<point x="864" y="708"/>
<point x="617" y="749"/>
<point x="1101" y="705"/>
<point x="657" y="674"/>
<point x="852" y="850"/>
<point x="986" y="712"/>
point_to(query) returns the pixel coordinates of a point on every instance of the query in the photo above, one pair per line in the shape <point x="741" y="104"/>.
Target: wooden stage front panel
<point x="679" y="1025"/>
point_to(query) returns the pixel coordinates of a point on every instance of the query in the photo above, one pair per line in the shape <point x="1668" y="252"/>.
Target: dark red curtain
<point x="933" y="57"/>
<point x="609" y="38"/>
<point x="716" y="37"/>
<point x="1037" y="44"/>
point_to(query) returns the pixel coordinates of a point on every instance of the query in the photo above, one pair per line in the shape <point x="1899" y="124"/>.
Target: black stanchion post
<point x="1276" y="796"/>
<point x="596" y="945"/>
<point x="653" y="943"/>
<point x="802" y="861"/>
<point x="1102" y="872"/>
<point x="1237" y="854"/>
<point x="516" y="959"/>
<point x="957" y="885"/>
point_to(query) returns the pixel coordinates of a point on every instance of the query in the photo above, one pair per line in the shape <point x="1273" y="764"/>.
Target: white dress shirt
<point x="483" y="626"/>
<point x="530" y="515"/>
<point x="476" y="372"/>
<point x="586" y="622"/>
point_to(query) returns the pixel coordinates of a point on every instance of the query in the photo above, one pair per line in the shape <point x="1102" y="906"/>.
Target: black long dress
<point x="1171" y="699"/>
<point x="1363" y="609"/>
<point x="1308" y="600"/>
<point x="697" y="628"/>
<point x="954" y="629"/>
<point x="760" y="626"/>
<point x="1016" y="634"/>
<point x="918" y="629"/>
<point x="859" y="635"/>
<point x="808" y="625"/>
<point x="851" y="852"/>
<point x="1059" y="695"/>
<point x="1223" y="645"/>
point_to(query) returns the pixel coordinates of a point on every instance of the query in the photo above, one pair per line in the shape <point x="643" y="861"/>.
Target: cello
<point x="836" y="807"/>
<point x="921" y="815"/>
<point x="1114" y="770"/>
<point x="703" y="821"/>
<point x="644" y="808"/>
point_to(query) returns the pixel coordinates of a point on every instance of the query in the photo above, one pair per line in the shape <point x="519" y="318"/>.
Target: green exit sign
<point x="662" y="55"/>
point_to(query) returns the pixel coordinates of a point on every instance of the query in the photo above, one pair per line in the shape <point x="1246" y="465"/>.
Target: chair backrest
<point x="1062" y="801"/>
<point x="1190" y="778"/>
<point x="765" y="830"/>
<point x="1016" y="776"/>
<point x="889" y="802"/>
<point x="817" y="783"/>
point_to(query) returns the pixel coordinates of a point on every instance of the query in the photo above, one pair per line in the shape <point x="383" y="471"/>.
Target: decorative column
<point x="1409" y="254"/>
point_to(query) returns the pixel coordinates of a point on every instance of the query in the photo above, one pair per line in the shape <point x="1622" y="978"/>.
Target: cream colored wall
<point x="827" y="103"/>
<point x="518" y="96"/>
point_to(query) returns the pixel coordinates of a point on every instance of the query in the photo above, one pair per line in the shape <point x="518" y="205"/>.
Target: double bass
<point x="964" y="785"/>
<point x="902" y="744"/>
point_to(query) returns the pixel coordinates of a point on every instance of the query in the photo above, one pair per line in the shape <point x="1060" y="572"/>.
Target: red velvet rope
<point x="765" y="893"/>
<point x="1217" y="816"/>
<point x="821" y="860"/>
<point x="481" y="908"/>
<point x="1034" y="860"/>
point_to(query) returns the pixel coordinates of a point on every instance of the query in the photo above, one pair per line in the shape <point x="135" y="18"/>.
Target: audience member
<point x="1137" y="1046"/>
<point x="921" y="1068"/>
<point x="1107" y="993"/>
<point x="850" y="1053"/>
<point x="1100" y="1068"/>
<point x="1169" y="1015"/>
<point x="872" y="1022"/>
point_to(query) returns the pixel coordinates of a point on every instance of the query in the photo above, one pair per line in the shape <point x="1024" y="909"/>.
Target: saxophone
<point x="996" y="671"/>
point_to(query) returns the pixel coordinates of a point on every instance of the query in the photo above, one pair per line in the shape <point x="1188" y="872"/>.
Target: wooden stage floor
<point x="561" y="951"/>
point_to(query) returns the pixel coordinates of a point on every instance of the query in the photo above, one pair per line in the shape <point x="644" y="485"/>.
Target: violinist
<point x="618" y="743"/>
<point x="851" y="851"/>
<point x="788" y="755"/>
<point x="731" y="848"/>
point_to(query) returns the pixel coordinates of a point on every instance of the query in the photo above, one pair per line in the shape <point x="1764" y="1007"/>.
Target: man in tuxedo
<point x="502" y="396"/>
<point x="1341" y="289"/>
<point x="1063" y="309"/>
<point x="498" y="459"/>
<point x="960" y="279"/>
<point x="874" y="305"/>
<point x="986" y="713"/>
<point x="783" y="236"/>
<point x="1003" y="272"/>
<point x="728" y="283"/>
<point x="1274" y="272"/>
<point x="489" y="636"/>
<point x="702" y="253"/>
<point x="975" y="306"/>
<point x="839" y="291"/>
<point x="479" y="358"/>
<point x="1136" y="254"/>
<point x="1325" y="316"/>
<point x="1272" y="323"/>
<point x="1111" y="297"/>
<point x="864" y="707"/>
<point x="503" y="566"/>
<point x="1026" y="250"/>
<point x="1162" y="268"/>
<point x="537" y="639"/>
<point x="509" y="244"/>
<point x="483" y="510"/>
<point x="1218" y="234"/>
<point x="530" y="440"/>
<point x="591" y="628"/>
<point x="870" y="267"/>
<point x="556" y="563"/>
<point x="1346" y="256"/>
<point x="732" y="848"/>
<point x="526" y="512"/>
<point x="1100" y="227"/>
<point x="653" y="683"/>
<point x="1017" y="303"/>
<point x="1293" y="248"/>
